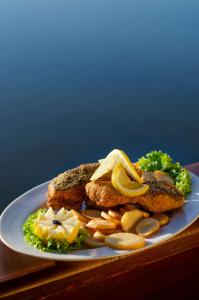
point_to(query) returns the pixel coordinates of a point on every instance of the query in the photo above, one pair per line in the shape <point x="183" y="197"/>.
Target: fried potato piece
<point x="145" y="214"/>
<point x="93" y="243"/>
<point x="91" y="214"/>
<point x="100" y="224"/>
<point x="125" y="241"/>
<point x="130" y="219"/>
<point x="162" y="218"/>
<point x="109" y="218"/>
<point x="111" y="231"/>
<point x="130" y="207"/>
<point x="147" y="227"/>
<point x="99" y="236"/>
<point x="114" y="214"/>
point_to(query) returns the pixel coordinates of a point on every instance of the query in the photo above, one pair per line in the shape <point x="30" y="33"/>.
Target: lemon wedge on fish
<point x="114" y="157"/>
<point x="123" y="184"/>
<point x="61" y="226"/>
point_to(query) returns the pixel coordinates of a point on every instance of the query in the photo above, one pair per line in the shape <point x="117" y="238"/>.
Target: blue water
<point x="79" y="78"/>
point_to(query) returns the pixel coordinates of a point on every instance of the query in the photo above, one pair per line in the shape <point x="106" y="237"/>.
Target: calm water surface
<point x="78" y="78"/>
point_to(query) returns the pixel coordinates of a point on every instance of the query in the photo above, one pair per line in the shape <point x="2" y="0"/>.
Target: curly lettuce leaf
<point x="158" y="160"/>
<point x="50" y="245"/>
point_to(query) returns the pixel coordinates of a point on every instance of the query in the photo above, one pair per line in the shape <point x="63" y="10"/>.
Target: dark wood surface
<point x="14" y="265"/>
<point x="169" y="270"/>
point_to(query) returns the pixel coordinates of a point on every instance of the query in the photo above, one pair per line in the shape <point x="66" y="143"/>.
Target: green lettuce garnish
<point x="51" y="245"/>
<point x="158" y="160"/>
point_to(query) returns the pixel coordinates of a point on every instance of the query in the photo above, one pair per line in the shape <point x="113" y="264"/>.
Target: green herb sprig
<point x="158" y="160"/>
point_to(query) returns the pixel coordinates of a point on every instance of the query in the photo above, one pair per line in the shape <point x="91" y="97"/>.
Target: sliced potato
<point x="125" y="241"/>
<point x="111" y="231"/>
<point x="145" y="214"/>
<point x="129" y="207"/>
<point x="130" y="219"/>
<point x="162" y="218"/>
<point x="109" y="218"/>
<point x="115" y="214"/>
<point x="91" y="214"/>
<point x="99" y="236"/>
<point x="147" y="226"/>
<point x="100" y="224"/>
<point x="92" y="243"/>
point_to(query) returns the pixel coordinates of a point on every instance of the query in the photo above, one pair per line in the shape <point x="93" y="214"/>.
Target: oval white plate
<point x="17" y="212"/>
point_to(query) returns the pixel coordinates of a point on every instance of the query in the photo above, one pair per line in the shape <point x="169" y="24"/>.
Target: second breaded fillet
<point x="68" y="189"/>
<point x="160" y="197"/>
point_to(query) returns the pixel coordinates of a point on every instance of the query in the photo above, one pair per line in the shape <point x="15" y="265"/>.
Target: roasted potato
<point x="147" y="227"/>
<point x="130" y="219"/>
<point x="162" y="218"/>
<point x="93" y="243"/>
<point x="114" y="214"/>
<point x="109" y="218"/>
<point x="125" y="241"/>
<point x="100" y="224"/>
<point x="145" y="214"/>
<point x="99" y="236"/>
<point x="91" y="214"/>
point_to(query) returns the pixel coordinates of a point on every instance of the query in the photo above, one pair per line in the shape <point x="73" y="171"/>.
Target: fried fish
<point x="68" y="189"/>
<point x="160" y="197"/>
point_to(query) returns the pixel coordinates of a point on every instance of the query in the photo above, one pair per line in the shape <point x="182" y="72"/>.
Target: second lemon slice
<point x="124" y="185"/>
<point x="114" y="157"/>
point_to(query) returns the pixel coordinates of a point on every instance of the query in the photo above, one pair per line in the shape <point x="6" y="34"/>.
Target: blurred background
<point x="79" y="78"/>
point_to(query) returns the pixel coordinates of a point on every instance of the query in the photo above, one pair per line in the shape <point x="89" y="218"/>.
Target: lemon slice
<point x="114" y="157"/>
<point x="124" y="185"/>
<point x="62" y="226"/>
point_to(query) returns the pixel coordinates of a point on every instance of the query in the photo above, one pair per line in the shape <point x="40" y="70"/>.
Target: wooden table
<point x="167" y="271"/>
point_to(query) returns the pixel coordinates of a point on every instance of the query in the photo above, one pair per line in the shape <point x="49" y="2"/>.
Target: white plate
<point x="17" y="212"/>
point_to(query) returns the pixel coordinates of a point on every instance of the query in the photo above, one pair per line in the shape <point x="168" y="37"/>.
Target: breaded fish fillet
<point x="160" y="197"/>
<point x="68" y="189"/>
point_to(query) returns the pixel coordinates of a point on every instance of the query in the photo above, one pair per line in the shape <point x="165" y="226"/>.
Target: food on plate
<point x="163" y="219"/>
<point x="115" y="214"/>
<point x="124" y="185"/>
<point x="114" y="157"/>
<point x="149" y="176"/>
<point x="109" y="218"/>
<point x="130" y="219"/>
<point x="147" y="227"/>
<point x="91" y="213"/>
<point x="93" y="243"/>
<point x="125" y="241"/>
<point x="50" y="231"/>
<point x="99" y="236"/>
<point x="100" y="224"/>
<point x="67" y="189"/>
<point x="160" y="197"/>
<point x="114" y="203"/>
<point x="157" y="160"/>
